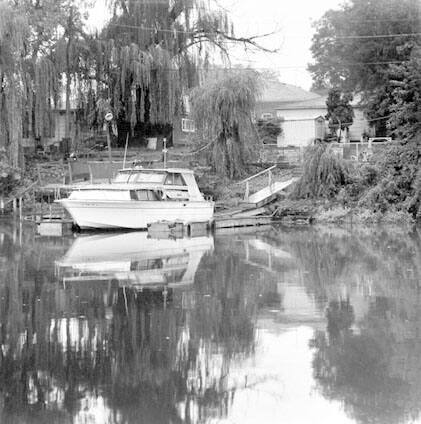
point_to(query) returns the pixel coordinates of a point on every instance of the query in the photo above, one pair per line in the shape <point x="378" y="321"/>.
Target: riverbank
<point x="361" y="196"/>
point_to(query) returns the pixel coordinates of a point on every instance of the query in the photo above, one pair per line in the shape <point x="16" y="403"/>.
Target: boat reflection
<point x="133" y="260"/>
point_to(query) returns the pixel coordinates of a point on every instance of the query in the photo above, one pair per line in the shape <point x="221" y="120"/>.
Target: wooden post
<point x="270" y="180"/>
<point x="164" y="151"/>
<point x="357" y="154"/>
<point x="70" y="173"/>
<point x="91" y="174"/>
<point x="109" y="143"/>
<point x="15" y="206"/>
<point x="20" y="208"/>
<point x="34" y="205"/>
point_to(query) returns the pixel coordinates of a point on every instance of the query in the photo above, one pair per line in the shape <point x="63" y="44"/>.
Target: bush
<point x="395" y="180"/>
<point x="269" y="130"/>
<point x="324" y="173"/>
<point x="9" y="177"/>
<point x="369" y="174"/>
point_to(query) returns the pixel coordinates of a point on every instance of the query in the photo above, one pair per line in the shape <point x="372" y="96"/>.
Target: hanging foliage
<point x="142" y="85"/>
<point x="13" y="31"/>
<point x="153" y="52"/>
<point x="222" y="109"/>
<point x="324" y="173"/>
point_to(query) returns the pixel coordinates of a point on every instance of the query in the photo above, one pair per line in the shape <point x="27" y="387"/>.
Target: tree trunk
<point x="67" y="118"/>
<point x="68" y="80"/>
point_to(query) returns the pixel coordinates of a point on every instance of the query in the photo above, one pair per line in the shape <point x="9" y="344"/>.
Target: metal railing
<point x="247" y="181"/>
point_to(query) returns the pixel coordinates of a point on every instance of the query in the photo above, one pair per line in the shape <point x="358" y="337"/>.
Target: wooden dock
<point x="238" y="221"/>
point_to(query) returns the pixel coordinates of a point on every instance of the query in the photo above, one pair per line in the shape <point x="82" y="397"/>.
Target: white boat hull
<point x="128" y="214"/>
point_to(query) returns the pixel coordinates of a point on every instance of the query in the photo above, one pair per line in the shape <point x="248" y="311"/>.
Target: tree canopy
<point x="222" y="108"/>
<point x="339" y="109"/>
<point x="357" y="47"/>
<point x="141" y="64"/>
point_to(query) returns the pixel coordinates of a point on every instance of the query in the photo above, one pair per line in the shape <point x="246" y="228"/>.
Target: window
<point x="267" y="115"/>
<point x="143" y="195"/>
<point x="146" y="177"/>
<point x="175" y="179"/>
<point x="187" y="125"/>
<point x="186" y="105"/>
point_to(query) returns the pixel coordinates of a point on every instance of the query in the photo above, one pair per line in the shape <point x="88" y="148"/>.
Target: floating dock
<point x="234" y="222"/>
<point x="55" y="227"/>
<point x="60" y="226"/>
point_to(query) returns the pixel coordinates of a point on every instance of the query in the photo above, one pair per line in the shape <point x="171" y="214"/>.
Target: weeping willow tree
<point x="13" y="32"/>
<point x="324" y="173"/>
<point x="152" y="52"/>
<point x="223" y="109"/>
<point x="30" y="83"/>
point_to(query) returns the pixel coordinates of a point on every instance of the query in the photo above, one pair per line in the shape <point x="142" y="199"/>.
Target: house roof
<point x="276" y="91"/>
<point x="290" y="97"/>
<point x="317" y="102"/>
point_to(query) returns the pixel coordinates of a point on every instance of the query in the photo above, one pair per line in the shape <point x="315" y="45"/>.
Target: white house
<point x="302" y="114"/>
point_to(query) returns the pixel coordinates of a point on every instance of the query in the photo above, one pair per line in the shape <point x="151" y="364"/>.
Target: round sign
<point x="108" y="116"/>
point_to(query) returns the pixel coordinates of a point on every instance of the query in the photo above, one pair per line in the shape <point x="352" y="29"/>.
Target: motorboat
<point x="138" y="197"/>
<point x="133" y="259"/>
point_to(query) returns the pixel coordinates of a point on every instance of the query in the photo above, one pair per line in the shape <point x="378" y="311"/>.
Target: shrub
<point x="9" y="177"/>
<point x="395" y="178"/>
<point x="269" y="130"/>
<point x="324" y="173"/>
<point x="369" y="174"/>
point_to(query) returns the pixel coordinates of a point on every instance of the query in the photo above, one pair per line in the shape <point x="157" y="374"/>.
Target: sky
<point x="290" y="20"/>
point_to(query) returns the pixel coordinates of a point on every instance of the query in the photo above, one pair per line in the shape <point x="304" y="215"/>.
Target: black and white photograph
<point x="210" y="211"/>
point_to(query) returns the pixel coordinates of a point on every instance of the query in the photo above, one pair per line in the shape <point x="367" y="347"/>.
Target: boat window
<point x="174" y="178"/>
<point x="177" y="194"/>
<point x="121" y="177"/>
<point x="145" y="264"/>
<point x="144" y="195"/>
<point x="146" y="177"/>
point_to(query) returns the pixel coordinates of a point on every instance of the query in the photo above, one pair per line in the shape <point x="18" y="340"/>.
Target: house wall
<point x="180" y="136"/>
<point x="297" y="133"/>
<point x="299" y="126"/>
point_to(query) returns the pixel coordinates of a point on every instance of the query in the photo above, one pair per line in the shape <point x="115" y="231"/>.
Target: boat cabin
<point x="140" y="184"/>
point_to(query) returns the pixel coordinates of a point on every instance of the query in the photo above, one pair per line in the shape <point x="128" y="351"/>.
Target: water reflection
<point x="134" y="260"/>
<point x="121" y="328"/>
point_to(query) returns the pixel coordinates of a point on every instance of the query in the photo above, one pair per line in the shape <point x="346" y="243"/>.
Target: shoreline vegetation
<point x="386" y="189"/>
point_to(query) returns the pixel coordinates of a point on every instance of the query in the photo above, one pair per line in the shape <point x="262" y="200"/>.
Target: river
<point x="317" y="324"/>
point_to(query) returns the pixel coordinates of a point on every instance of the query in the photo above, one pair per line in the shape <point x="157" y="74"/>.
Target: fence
<point x="293" y="155"/>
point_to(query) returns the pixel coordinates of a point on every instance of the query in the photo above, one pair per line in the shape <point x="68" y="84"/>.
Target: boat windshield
<point x="139" y="177"/>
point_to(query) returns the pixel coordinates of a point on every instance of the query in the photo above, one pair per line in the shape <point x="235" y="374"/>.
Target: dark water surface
<point x="314" y="325"/>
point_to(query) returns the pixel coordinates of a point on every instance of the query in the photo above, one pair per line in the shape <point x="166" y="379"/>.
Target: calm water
<point x="292" y="326"/>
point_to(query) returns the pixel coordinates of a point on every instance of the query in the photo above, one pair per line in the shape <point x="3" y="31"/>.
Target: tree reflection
<point x="127" y="355"/>
<point x="371" y="365"/>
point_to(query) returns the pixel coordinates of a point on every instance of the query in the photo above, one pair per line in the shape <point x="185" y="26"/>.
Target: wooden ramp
<point x="269" y="193"/>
